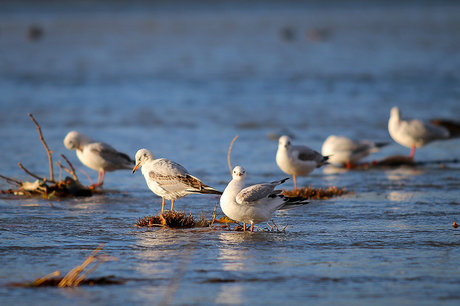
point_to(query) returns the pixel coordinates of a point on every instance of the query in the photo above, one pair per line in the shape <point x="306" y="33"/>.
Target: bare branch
<point x="32" y="174"/>
<point x="45" y="278"/>
<point x="10" y="180"/>
<point x="62" y="167"/>
<point x="72" y="169"/>
<point x="48" y="151"/>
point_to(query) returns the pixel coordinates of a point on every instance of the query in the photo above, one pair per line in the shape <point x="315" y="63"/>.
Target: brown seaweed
<point x="313" y="193"/>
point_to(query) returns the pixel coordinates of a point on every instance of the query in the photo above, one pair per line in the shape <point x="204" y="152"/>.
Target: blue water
<point x="182" y="80"/>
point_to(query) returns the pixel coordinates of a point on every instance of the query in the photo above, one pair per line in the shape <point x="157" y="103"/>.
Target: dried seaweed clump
<point x="76" y="276"/>
<point x="172" y="219"/>
<point x="177" y="219"/>
<point x="316" y="193"/>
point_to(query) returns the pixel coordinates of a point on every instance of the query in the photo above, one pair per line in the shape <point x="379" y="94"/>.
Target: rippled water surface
<point x="183" y="80"/>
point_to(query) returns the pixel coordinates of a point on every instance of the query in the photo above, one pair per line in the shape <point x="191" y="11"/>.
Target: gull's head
<point x="141" y="157"/>
<point x="395" y="113"/>
<point x="238" y="173"/>
<point x="74" y="140"/>
<point x="284" y="142"/>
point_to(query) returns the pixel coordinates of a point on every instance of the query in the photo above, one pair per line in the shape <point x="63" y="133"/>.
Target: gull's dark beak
<point x="135" y="168"/>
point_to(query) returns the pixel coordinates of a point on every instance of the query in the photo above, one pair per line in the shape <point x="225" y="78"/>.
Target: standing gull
<point x="256" y="203"/>
<point x="413" y="133"/>
<point x="168" y="179"/>
<point x="297" y="160"/>
<point x="98" y="156"/>
<point x="345" y="151"/>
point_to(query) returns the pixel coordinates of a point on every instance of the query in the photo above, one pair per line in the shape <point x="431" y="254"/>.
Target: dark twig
<point x="48" y="151"/>
<point x="10" y="180"/>
<point x="32" y="174"/>
<point x="72" y="169"/>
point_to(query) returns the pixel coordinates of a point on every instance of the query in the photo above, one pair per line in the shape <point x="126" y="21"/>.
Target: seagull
<point x="413" y="133"/>
<point x="168" y="179"/>
<point x="98" y="156"/>
<point x="345" y="151"/>
<point x="256" y="203"/>
<point x="297" y="160"/>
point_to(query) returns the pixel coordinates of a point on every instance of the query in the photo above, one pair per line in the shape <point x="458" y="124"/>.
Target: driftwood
<point x="47" y="187"/>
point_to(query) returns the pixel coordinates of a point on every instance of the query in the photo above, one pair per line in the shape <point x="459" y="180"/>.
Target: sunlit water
<point x="182" y="82"/>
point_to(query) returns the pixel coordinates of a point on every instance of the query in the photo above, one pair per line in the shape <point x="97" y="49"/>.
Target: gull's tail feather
<point x="452" y="126"/>
<point x="324" y="161"/>
<point x="196" y="186"/>
<point x="204" y="189"/>
<point x="292" y="202"/>
<point x="280" y="181"/>
<point x="209" y="190"/>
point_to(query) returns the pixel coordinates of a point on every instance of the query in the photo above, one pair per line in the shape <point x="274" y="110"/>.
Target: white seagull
<point x="98" y="156"/>
<point x="168" y="179"/>
<point x="345" y="151"/>
<point x="256" y="203"/>
<point x="297" y="160"/>
<point x="413" y="133"/>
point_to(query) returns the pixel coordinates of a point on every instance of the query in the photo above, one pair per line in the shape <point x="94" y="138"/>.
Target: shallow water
<point x="183" y="80"/>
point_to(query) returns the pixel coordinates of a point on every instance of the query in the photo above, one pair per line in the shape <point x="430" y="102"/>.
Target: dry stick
<point x="43" y="279"/>
<point x="71" y="276"/>
<point x="72" y="169"/>
<point x="64" y="168"/>
<point x="48" y="151"/>
<point x="10" y="180"/>
<point x="99" y="260"/>
<point x="229" y="152"/>
<point x="32" y="174"/>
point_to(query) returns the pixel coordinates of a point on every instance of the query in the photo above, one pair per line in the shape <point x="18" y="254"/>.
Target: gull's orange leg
<point x="295" y="182"/>
<point x="252" y="227"/>
<point x="100" y="178"/>
<point x="103" y="177"/>
<point x="162" y="205"/>
<point x="412" y="152"/>
<point x="172" y="205"/>
<point x="244" y="227"/>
